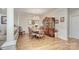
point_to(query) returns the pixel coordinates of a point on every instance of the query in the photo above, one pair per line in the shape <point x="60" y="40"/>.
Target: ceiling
<point x="38" y="11"/>
<point x="73" y="9"/>
<point x="35" y="11"/>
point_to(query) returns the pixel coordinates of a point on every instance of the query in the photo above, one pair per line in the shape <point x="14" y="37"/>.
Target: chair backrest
<point x="30" y="31"/>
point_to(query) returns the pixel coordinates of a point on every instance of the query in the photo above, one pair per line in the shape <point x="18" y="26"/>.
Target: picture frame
<point x="3" y="20"/>
<point x="56" y="21"/>
<point x="61" y="19"/>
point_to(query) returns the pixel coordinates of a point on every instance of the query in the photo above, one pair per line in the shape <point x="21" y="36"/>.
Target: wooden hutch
<point x="49" y="26"/>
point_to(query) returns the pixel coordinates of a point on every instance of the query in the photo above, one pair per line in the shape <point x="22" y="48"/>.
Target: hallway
<point x="46" y="43"/>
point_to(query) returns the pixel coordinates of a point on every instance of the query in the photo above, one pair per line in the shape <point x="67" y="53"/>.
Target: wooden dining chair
<point x="31" y="34"/>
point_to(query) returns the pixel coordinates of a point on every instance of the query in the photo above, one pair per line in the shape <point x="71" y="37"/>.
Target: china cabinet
<point x="49" y="26"/>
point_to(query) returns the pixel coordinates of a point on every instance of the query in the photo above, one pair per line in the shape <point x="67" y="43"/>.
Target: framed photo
<point x="3" y="19"/>
<point x="56" y="21"/>
<point x="61" y="19"/>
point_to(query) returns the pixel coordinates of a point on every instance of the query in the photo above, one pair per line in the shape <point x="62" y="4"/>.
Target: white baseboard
<point x="9" y="43"/>
<point x="74" y="38"/>
<point x="63" y="38"/>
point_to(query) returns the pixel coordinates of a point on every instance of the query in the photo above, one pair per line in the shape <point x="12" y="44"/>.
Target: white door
<point x="74" y="27"/>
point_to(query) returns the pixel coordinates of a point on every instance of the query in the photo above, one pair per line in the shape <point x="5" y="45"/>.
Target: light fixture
<point x="36" y="18"/>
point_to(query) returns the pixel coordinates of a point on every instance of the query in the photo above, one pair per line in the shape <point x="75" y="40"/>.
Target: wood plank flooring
<point x="46" y="43"/>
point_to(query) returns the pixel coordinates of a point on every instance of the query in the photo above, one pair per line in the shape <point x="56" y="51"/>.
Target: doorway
<point x="74" y="29"/>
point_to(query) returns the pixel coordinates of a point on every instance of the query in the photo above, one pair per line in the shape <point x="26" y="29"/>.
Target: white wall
<point x="74" y="22"/>
<point x="23" y="22"/>
<point x="10" y="28"/>
<point x="61" y="27"/>
<point x="2" y="26"/>
<point x="16" y="19"/>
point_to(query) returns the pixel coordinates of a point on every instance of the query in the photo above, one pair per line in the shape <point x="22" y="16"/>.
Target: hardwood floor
<point x="46" y="43"/>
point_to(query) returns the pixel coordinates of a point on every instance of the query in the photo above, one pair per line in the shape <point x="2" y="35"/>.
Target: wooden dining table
<point x="35" y="31"/>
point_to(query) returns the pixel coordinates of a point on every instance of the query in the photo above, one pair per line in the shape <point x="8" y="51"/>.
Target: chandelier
<point x="36" y="18"/>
